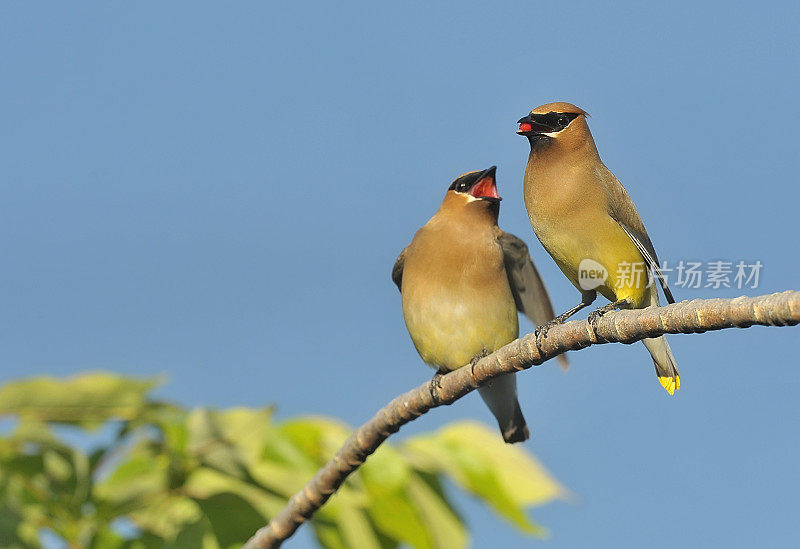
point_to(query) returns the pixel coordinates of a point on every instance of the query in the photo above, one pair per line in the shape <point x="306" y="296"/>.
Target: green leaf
<point x="108" y="539"/>
<point x="327" y="533"/>
<point x="387" y="477"/>
<point x="170" y="419"/>
<point x="166" y="516"/>
<point x="232" y="518"/>
<point x="246" y="429"/>
<point x="56" y="466"/>
<point x="88" y="399"/>
<point x="15" y="533"/>
<point x="280" y="478"/>
<point x="293" y="452"/>
<point x="475" y="457"/>
<point x="208" y="478"/>
<point x="386" y="470"/>
<point x="15" y="462"/>
<point x="440" y="520"/>
<point x="37" y="432"/>
<point x="198" y="534"/>
<point x="208" y="443"/>
<point x="356" y="529"/>
<point x="204" y="483"/>
<point x="352" y="526"/>
<point x="141" y="476"/>
<point x="317" y="438"/>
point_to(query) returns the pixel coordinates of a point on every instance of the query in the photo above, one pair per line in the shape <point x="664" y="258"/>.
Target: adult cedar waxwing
<point x="586" y="221"/>
<point x="462" y="280"/>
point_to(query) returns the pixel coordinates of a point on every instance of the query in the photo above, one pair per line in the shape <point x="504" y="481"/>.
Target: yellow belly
<point x="449" y="332"/>
<point x="607" y="244"/>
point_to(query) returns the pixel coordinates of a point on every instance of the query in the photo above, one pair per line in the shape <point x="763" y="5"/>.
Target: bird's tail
<point x="666" y="370"/>
<point x="500" y="395"/>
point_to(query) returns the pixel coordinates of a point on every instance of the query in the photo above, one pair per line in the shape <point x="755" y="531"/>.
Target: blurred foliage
<point x="162" y="476"/>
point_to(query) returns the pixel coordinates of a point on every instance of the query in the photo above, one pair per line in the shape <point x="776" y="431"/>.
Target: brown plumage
<point x="580" y="211"/>
<point x="462" y="280"/>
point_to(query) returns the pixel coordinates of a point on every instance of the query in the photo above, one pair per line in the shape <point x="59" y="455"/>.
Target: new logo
<point x="591" y="274"/>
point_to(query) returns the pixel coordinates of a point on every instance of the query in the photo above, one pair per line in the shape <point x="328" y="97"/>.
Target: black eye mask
<point x="465" y="182"/>
<point x="546" y="123"/>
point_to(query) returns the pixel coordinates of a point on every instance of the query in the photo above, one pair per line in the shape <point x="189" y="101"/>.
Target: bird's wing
<point x="646" y="249"/>
<point x="527" y="287"/>
<point x="397" y="270"/>
<point x="624" y="212"/>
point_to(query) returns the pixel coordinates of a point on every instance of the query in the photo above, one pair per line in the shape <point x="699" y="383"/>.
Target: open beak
<point x="529" y="126"/>
<point x="486" y="187"/>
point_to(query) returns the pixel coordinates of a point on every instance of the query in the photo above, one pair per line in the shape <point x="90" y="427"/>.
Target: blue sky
<point x="218" y="193"/>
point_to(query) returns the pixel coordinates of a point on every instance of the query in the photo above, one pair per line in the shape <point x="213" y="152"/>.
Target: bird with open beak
<point x="586" y="221"/>
<point x="462" y="281"/>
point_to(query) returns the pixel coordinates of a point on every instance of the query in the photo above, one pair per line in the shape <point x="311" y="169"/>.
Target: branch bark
<point x="697" y="316"/>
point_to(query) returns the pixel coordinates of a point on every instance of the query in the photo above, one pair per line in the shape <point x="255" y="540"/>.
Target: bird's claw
<point x="541" y="331"/>
<point x="435" y="386"/>
<point x="597" y="314"/>
<point x="483" y="354"/>
<point x="594" y="316"/>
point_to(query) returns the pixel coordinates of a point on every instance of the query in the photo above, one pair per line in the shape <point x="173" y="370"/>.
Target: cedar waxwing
<point x="586" y="221"/>
<point x="462" y="280"/>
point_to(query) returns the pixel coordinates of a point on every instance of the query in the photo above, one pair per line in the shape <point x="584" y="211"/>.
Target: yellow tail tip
<point x="671" y="384"/>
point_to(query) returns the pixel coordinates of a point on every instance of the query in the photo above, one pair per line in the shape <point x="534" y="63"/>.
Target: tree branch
<point x="697" y="316"/>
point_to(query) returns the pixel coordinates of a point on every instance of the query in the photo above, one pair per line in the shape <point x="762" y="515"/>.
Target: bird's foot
<point x="540" y="334"/>
<point x="435" y="386"/>
<point x="587" y="298"/>
<point x="594" y="316"/>
<point x="541" y="331"/>
<point x="597" y="314"/>
<point x="472" y="363"/>
<point x="483" y="354"/>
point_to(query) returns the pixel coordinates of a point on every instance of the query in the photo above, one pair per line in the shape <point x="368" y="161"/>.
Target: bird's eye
<point x="563" y="121"/>
<point x="461" y="187"/>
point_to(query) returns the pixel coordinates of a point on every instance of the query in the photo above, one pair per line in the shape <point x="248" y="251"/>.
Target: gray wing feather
<point x="527" y="287"/>
<point x="624" y="212"/>
<point x="649" y="254"/>
<point x="397" y="270"/>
